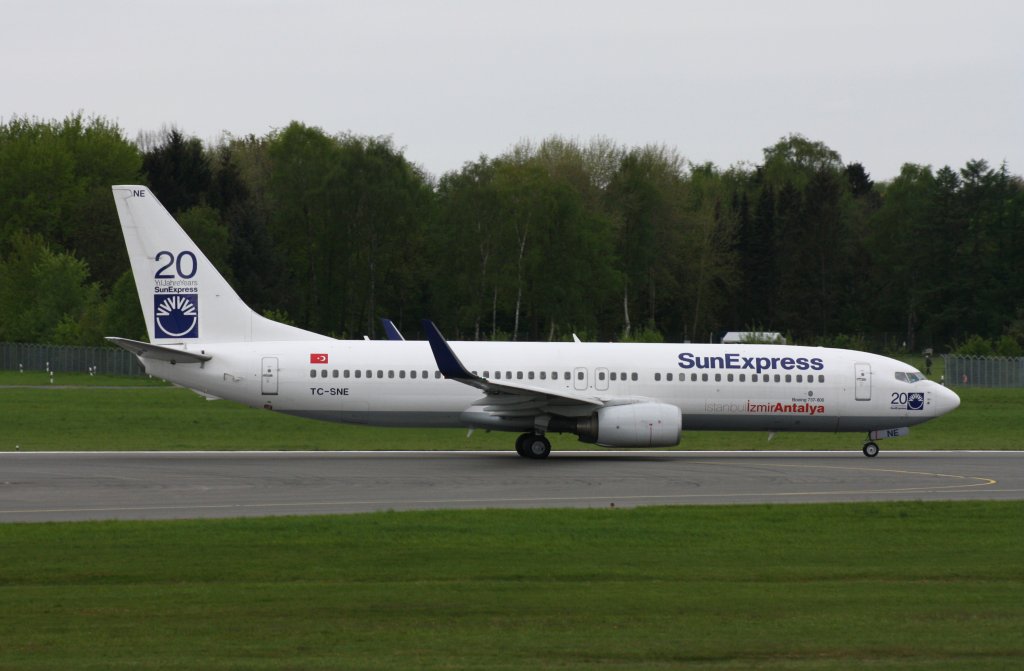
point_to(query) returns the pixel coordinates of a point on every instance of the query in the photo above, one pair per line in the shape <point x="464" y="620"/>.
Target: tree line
<point x="332" y="231"/>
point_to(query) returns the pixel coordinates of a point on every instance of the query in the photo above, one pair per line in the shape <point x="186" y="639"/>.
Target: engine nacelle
<point x="633" y="425"/>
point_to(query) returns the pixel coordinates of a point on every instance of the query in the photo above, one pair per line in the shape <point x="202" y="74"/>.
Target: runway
<point x="37" y="487"/>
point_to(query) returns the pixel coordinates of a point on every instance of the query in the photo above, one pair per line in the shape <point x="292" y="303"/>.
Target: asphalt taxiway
<point x="40" y="486"/>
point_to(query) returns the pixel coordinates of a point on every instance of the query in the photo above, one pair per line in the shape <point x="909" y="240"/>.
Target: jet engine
<point x="632" y="425"/>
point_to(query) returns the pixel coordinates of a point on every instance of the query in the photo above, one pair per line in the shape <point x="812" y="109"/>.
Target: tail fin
<point x="184" y="299"/>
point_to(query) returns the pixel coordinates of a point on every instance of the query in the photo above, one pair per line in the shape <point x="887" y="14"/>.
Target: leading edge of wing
<point x="453" y="369"/>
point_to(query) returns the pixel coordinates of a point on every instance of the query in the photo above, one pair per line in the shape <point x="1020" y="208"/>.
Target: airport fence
<point x="984" y="371"/>
<point x="68" y="359"/>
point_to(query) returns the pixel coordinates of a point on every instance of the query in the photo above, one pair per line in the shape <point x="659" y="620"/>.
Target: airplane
<point x="620" y="395"/>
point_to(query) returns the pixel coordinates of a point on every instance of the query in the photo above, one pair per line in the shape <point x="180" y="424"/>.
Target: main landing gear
<point x="533" y="446"/>
<point x="870" y="449"/>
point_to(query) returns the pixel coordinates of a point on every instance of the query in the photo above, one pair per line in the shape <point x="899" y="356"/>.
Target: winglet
<point x="391" y="330"/>
<point x="447" y="362"/>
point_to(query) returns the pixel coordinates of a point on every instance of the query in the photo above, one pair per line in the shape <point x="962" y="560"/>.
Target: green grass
<point x="883" y="586"/>
<point x="153" y="419"/>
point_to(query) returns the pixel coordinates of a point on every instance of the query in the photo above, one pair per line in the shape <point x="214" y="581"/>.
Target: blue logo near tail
<point x="176" y="315"/>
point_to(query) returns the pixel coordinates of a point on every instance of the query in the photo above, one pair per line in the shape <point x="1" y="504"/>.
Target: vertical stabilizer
<point x="184" y="299"/>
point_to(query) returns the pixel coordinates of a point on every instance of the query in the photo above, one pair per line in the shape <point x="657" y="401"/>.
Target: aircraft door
<point x="579" y="379"/>
<point x="862" y="381"/>
<point x="268" y="376"/>
<point x="601" y="379"/>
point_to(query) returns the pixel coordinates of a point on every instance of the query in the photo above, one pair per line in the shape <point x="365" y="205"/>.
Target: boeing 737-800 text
<point x="204" y="337"/>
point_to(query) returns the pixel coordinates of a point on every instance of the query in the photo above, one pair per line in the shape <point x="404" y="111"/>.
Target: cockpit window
<point x="912" y="376"/>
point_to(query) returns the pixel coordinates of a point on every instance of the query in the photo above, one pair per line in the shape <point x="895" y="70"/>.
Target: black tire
<point x="521" y="448"/>
<point x="870" y="449"/>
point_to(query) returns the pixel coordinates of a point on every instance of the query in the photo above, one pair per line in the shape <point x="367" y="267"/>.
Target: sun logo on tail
<point x="177" y="316"/>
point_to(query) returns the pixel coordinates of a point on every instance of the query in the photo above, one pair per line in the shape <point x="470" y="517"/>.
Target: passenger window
<point x="634" y="377"/>
<point x="346" y="374"/>
<point x="529" y="376"/>
<point x="778" y="378"/>
<point x="543" y="375"/>
<point x="693" y="377"/>
<point x="753" y="378"/>
<point x="789" y="378"/>
<point x="821" y="378"/>
<point x="600" y="375"/>
<point x="334" y="373"/>
<point x="657" y="377"/>
<point x="425" y="375"/>
<point x="369" y="374"/>
<point x="718" y="377"/>
<point x="312" y="373"/>
<point x="729" y="378"/>
<point x="579" y="375"/>
<point x="437" y="375"/>
<point x="323" y="373"/>
<point x="612" y="376"/>
<point x="743" y="377"/>
<point x="799" y="378"/>
<point x="668" y="377"/>
<point x="359" y="373"/>
<point x="391" y="374"/>
<point x="401" y="374"/>
<point x="412" y="374"/>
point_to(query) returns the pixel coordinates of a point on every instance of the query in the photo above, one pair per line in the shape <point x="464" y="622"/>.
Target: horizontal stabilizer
<point x="147" y="350"/>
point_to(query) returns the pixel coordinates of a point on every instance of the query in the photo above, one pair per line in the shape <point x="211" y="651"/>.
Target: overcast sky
<point x="883" y="83"/>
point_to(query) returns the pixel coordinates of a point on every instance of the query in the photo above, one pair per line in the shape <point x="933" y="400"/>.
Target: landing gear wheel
<point x="538" y="447"/>
<point x="521" y="448"/>
<point x="870" y="449"/>
<point x="533" y="446"/>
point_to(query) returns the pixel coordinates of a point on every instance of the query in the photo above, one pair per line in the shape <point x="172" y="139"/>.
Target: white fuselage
<point x="724" y="387"/>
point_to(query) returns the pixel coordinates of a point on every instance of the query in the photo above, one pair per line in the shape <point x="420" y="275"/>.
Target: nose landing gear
<point x="871" y="447"/>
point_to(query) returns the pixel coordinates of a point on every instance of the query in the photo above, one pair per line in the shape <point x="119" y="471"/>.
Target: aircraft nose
<point x="946" y="399"/>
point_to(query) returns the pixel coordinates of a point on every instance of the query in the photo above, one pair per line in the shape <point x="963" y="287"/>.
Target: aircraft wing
<point x="504" y="398"/>
<point x="159" y="352"/>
